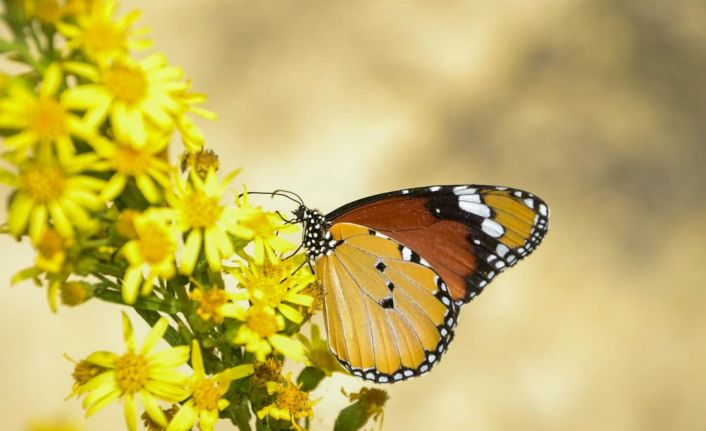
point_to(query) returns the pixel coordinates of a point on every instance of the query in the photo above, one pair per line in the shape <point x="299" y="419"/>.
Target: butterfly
<point x="396" y="267"/>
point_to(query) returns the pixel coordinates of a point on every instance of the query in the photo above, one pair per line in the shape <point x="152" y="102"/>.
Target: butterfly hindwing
<point x="467" y="233"/>
<point x="388" y="314"/>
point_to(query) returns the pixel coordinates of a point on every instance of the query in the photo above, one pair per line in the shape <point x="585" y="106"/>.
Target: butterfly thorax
<point x="317" y="237"/>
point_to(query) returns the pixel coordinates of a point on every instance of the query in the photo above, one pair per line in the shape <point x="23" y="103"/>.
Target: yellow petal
<point x="20" y="209"/>
<point x="131" y="284"/>
<point x="197" y="359"/>
<point x="184" y="419"/>
<point x="148" y="188"/>
<point x="170" y="358"/>
<point x="37" y="223"/>
<point x="51" y="82"/>
<point x="21" y="140"/>
<point x="127" y="333"/>
<point x="103" y="358"/>
<point x="155" y="334"/>
<point x="112" y="189"/>
<point x="102" y="402"/>
<point x="152" y="408"/>
<point x="287" y="346"/>
<point x="130" y="412"/>
<point x="290" y="313"/>
<point x="238" y="372"/>
<point x="191" y="252"/>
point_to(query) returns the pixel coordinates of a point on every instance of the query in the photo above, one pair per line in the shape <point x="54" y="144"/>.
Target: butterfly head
<point x="317" y="238"/>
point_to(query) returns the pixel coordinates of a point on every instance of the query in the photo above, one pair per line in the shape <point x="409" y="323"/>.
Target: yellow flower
<point x="209" y="223"/>
<point x="318" y="352"/>
<point x="97" y="34"/>
<point x="206" y="394"/>
<point x="151" y="253"/>
<point x="151" y="425"/>
<point x="132" y="95"/>
<point x="210" y="301"/>
<point x="276" y="284"/>
<point x="291" y="404"/>
<point x="74" y="293"/>
<point x="260" y="332"/>
<point x="151" y="375"/>
<point x="51" y="251"/>
<point x="265" y="227"/>
<point x="41" y="118"/>
<point x="47" y="11"/>
<point x="50" y="190"/>
<point x="146" y="165"/>
<point x="125" y="224"/>
<point x="75" y="8"/>
<point x="268" y="371"/>
<point x="371" y="401"/>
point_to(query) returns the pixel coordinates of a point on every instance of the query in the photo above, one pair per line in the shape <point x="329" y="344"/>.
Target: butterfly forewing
<point x="467" y="233"/>
<point x="388" y="313"/>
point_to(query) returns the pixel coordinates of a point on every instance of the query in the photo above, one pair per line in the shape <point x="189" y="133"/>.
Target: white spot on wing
<point x="474" y="208"/>
<point x="543" y="210"/>
<point x="434" y="188"/>
<point x="502" y="250"/>
<point x="406" y="254"/>
<point x="469" y="198"/>
<point x="463" y="190"/>
<point x="529" y="202"/>
<point x="492" y="228"/>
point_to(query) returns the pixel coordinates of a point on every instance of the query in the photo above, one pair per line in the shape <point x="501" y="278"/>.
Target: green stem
<point x="108" y="269"/>
<point x="148" y="304"/>
<point x="151" y="317"/>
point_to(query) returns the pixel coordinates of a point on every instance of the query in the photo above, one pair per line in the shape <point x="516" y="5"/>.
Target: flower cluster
<point x="87" y="132"/>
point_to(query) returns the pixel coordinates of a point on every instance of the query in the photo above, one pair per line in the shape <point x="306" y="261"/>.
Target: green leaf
<point x="239" y="414"/>
<point x="7" y="46"/>
<point x="352" y="418"/>
<point x="309" y="378"/>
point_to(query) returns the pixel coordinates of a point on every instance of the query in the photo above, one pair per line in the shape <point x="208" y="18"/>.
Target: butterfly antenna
<point x="283" y="193"/>
<point x="297" y="270"/>
<point x="289" y="195"/>
<point x="294" y="253"/>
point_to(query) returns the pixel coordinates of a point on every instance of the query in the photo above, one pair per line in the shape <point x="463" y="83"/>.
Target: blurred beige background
<point x="597" y="106"/>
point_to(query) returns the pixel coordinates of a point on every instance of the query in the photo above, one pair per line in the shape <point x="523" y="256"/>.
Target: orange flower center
<point x="127" y="84"/>
<point x="85" y="371"/>
<point x="50" y="244"/>
<point x="129" y="161"/>
<point x="210" y="303"/>
<point x="155" y="243"/>
<point x="48" y="120"/>
<point x="43" y="183"/>
<point x="202" y="211"/>
<point x="131" y="372"/>
<point x="263" y="323"/>
<point x="207" y="394"/>
<point x="293" y="400"/>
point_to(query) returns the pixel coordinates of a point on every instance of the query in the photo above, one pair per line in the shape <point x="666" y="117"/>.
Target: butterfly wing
<point x="467" y="233"/>
<point x="389" y="316"/>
